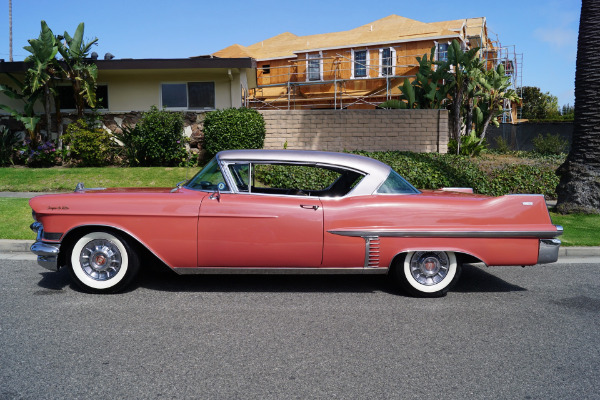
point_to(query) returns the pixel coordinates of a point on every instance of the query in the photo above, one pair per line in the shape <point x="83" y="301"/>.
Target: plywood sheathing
<point x="390" y="29"/>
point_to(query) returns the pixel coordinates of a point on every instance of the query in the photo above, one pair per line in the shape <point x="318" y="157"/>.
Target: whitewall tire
<point x="427" y="273"/>
<point x="102" y="262"/>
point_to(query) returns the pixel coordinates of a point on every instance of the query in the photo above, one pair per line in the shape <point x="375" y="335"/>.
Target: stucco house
<point x="124" y="85"/>
<point x="127" y="87"/>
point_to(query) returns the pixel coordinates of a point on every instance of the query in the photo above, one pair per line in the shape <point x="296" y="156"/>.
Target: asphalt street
<point x="502" y="333"/>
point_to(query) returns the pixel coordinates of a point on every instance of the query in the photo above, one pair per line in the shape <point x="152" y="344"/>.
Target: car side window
<point x="292" y="179"/>
<point x="240" y="172"/>
<point x="395" y="184"/>
<point x="210" y="178"/>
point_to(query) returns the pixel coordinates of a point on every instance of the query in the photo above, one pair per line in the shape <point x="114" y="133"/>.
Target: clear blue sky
<point x="545" y="32"/>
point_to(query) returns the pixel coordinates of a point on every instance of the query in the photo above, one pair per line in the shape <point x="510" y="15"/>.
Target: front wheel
<point x="427" y="273"/>
<point x="102" y="262"/>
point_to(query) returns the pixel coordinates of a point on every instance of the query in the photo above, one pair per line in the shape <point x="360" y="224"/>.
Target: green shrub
<point x="233" y="128"/>
<point x="550" y="144"/>
<point x="469" y="145"/>
<point x="156" y="141"/>
<point x="295" y="176"/>
<point x="41" y="155"/>
<point x="393" y="104"/>
<point x="502" y="146"/>
<point x="88" y="146"/>
<point x="8" y="143"/>
<point x="433" y="171"/>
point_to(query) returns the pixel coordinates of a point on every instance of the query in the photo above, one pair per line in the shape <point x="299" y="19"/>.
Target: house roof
<point x="390" y="29"/>
<point x="162" y="63"/>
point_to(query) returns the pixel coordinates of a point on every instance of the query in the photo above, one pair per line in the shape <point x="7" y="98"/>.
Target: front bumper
<point x="47" y="252"/>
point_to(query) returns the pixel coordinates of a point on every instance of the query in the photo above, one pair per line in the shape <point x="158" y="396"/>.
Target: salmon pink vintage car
<point x="300" y="212"/>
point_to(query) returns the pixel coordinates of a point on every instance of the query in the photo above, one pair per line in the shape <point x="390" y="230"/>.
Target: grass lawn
<point x="580" y="230"/>
<point x="16" y="219"/>
<point x="65" y="179"/>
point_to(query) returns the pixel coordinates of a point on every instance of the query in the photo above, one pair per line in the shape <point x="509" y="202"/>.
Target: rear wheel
<point x="102" y="262"/>
<point x="427" y="273"/>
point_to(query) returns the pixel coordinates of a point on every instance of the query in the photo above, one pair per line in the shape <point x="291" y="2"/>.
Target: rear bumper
<point x="47" y="252"/>
<point x="548" y="252"/>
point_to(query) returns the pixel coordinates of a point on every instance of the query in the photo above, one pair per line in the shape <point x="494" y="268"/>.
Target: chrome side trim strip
<point x="450" y="234"/>
<point x="278" y="271"/>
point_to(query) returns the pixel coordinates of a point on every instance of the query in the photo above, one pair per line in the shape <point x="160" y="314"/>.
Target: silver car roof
<point x="375" y="171"/>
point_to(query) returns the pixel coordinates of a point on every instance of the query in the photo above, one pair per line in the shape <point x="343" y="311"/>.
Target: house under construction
<point x="362" y="67"/>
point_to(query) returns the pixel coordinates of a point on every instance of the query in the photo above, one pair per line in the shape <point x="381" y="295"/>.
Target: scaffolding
<point x="338" y="88"/>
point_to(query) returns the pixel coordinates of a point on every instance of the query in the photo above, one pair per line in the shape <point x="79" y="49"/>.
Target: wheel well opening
<point x="72" y="236"/>
<point x="461" y="258"/>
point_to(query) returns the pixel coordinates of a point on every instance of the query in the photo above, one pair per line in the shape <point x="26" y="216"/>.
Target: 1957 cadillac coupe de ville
<point x="247" y="211"/>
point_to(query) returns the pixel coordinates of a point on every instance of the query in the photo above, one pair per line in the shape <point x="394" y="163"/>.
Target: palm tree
<point x="579" y="187"/>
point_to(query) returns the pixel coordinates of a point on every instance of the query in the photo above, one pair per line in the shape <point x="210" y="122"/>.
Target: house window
<point x="441" y="53"/>
<point x="67" y="98"/>
<point x="191" y="95"/>
<point x="314" y="67"/>
<point x="387" y="57"/>
<point x="360" y="63"/>
<point x="266" y="69"/>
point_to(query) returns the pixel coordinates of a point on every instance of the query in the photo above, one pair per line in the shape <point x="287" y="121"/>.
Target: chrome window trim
<point x="375" y="172"/>
<point x="251" y="162"/>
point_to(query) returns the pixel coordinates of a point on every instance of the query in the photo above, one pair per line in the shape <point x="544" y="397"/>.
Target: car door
<point x="260" y="230"/>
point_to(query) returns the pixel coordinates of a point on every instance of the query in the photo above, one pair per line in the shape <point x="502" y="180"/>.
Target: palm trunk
<point x="579" y="187"/>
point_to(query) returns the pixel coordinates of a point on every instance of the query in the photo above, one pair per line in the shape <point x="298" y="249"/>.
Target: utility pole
<point x="10" y="54"/>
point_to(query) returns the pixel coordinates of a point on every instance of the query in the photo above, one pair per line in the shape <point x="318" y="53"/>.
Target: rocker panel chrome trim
<point x="279" y="271"/>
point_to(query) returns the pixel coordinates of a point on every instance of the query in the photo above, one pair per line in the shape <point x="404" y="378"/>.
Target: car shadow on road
<point x="474" y="279"/>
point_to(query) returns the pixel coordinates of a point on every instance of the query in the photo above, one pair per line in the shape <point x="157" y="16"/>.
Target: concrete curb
<point x="22" y="246"/>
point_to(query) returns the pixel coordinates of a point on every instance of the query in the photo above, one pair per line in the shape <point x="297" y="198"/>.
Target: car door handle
<point x="309" y="207"/>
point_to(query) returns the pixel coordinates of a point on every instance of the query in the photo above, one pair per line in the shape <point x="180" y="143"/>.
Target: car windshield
<point x="209" y="178"/>
<point x="395" y="184"/>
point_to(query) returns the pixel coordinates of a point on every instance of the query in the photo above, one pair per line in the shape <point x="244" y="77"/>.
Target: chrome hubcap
<point x="429" y="267"/>
<point x="100" y="259"/>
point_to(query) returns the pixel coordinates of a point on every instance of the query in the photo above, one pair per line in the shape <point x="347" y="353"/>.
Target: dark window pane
<point x="386" y="62"/>
<point x="65" y="96"/>
<point x="102" y="97"/>
<point x="67" y="100"/>
<point x="174" y="95"/>
<point x="314" y="68"/>
<point x="360" y="64"/>
<point x="201" y="95"/>
<point x="442" y="53"/>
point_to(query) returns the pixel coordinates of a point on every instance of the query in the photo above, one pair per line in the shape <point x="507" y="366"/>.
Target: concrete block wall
<point x="372" y="130"/>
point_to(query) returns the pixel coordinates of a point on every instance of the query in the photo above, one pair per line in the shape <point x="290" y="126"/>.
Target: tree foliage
<point x="474" y="95"/>
<point x="538" y="105"/>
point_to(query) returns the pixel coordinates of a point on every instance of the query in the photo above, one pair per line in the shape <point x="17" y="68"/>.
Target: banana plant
<point x="494" y="91"/>
<point x="28" y="117"/>
<point x="82" y="73"/>
<point x="43" y="68"/>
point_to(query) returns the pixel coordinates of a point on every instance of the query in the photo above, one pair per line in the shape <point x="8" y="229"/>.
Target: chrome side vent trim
<point x="372" y="251"/>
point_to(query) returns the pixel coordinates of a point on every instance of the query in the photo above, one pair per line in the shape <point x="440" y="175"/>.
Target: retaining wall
<point x="373" y="130"/>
